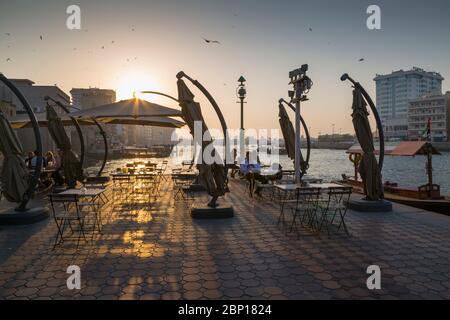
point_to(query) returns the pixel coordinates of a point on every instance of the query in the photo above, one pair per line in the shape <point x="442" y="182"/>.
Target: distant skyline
<point x="141" y="45"/>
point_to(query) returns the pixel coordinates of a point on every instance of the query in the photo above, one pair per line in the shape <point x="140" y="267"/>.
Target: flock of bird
<point x="207" y="41"/>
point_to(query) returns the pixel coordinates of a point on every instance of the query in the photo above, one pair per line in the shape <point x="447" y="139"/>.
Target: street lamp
<point x="241" y="93"/>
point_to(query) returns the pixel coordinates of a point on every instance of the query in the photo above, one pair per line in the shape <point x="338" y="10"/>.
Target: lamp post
<point x="301" y="83"/>
<point x="241" y="93"/>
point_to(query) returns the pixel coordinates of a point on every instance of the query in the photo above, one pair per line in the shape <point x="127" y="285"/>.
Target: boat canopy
<point x="404" y="148"/>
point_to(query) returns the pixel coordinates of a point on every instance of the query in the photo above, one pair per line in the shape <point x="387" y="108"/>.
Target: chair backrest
<point x="340" y="194"/>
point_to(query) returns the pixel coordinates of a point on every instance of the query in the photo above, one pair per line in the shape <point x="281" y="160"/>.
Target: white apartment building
<point x="435" y="106"/>
<point x="394" y="92"/>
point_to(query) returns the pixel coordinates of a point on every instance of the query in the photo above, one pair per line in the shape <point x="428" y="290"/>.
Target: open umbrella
<point x="70" y="162"/>
<point x="211" y="176"/>
<point x="368" y="168"/>
<point x="133" y="108"/>
<point x="22" y="121"/>
<point x="14" y="170"/>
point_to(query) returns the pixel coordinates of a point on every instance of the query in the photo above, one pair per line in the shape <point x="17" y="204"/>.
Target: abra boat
<point x="427" y="197"/>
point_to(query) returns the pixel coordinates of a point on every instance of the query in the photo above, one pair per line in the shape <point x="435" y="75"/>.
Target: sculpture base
<point x="10" y="217"/>
<point x="223" y="211"/>
<point x="362" y="205"/>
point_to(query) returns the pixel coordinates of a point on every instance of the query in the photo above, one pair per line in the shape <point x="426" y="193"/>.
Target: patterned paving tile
<point x="161" y="253"/>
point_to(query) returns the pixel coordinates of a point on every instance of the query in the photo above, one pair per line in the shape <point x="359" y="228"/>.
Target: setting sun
<point x="132" y="84"/>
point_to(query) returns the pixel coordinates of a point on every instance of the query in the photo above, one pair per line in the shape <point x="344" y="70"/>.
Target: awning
<point x="404" y="148"/>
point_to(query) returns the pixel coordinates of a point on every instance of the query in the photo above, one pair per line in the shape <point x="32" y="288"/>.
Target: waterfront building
<point x="434" y="106"/>
<point x="394" y="92"/>
<point x="35" y="95"/>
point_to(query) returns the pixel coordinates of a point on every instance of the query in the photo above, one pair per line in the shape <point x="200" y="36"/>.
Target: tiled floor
<point x="162" y="253"/>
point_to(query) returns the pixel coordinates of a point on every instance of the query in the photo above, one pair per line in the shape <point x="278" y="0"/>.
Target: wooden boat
<point x="407" y="196"/>
<point x="427" y="197"/>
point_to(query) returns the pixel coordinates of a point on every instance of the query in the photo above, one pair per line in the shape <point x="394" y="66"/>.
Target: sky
<point x="261" y="40"/>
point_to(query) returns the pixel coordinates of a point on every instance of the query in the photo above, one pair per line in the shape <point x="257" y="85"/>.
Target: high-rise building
<point x="155" y="136"/>
<point x="35" y="95"/>
<point x="394" y="92"/>
<point x="433" y="106"/>
<point x="87" y="98"/>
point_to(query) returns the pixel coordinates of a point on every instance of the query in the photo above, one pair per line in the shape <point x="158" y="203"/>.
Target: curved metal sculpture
<point x="212" y="176"/>
<point x="37" y="135"/>
<point x="369" y="100"/>
<point x="305" y="164"/>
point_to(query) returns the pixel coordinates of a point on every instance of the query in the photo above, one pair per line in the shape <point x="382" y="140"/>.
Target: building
<point x="155" y="136"/>
<point x="35" y="95"/>
<point x="83" y="99"/>
<point x="393" y="94"/>
<point x="435" y="106"/>
<point x="6" y="105"/>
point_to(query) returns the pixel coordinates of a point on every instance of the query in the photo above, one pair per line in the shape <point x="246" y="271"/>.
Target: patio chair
<point x="67" y="213"/>
<point x="122" y="186"/>
<point x="306" y="208"/>
<point x="287" y="201"/>
<point x="144" y="187"/>
<point x="335" y="206"/>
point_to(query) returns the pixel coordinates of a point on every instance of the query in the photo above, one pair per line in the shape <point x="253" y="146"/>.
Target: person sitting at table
<point x="50" y="160"/>
<point x="30" y="156"/>
<point x="58" y="175"/>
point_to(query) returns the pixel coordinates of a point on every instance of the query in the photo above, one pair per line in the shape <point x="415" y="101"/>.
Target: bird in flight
<point x="8" y="59"/>
<point x="211" y="41"/>
<point x="8" y="34"/>
<point x="103" y="47"/>
<point x="113" y="42"/>
<point x="40" y="37"/>
<point x="360" y="60"/>
<point x="310" y="29"/>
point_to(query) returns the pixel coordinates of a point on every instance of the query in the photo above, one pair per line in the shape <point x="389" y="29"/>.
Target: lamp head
<point x="242" y="80"/>
<point x="344" y="77"/>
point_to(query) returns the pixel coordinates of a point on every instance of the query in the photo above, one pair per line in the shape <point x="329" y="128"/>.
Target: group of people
<point x="250" y="169"/>
<point x="50" y="161"/>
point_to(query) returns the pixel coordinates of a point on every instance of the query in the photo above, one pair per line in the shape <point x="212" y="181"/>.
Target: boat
<point x="427" y="197"/>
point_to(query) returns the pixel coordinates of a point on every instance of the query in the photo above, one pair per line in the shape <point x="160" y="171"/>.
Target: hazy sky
<point x="262" y="40"/>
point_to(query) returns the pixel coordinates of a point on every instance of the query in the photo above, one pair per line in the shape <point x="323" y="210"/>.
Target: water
<point x="331" y="164"/>
<point x="406" y="171"/>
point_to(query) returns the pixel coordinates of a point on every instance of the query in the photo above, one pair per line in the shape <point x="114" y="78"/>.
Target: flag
<point x="426" y="132"/>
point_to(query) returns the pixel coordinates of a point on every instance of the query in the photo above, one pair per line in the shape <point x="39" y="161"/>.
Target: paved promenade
<point x="162" y="253"/>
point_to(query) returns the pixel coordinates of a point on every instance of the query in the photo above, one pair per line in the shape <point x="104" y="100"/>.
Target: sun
<point x="132" y="84"/>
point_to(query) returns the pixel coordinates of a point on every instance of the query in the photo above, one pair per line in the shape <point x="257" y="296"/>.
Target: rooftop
<point x="413" y="71"/>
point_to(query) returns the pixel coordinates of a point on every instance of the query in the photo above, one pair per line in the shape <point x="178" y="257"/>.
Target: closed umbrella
<point x="287" y="129"/>
<point x="368" y="168"/>
<point x="14" y="171"/>
<point x="211" y="176"/>
<point x="70" y="162"/>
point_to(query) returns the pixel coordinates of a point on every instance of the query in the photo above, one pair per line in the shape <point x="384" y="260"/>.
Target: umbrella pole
<point x="308" y="137"/>
<point x="297" y="143"/>
<point x="105" y="143"/>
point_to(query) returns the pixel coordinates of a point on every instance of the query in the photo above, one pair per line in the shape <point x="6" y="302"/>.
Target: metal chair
<point x="122" y="186"/>
<point x="68" y="214"/>
<point x="335" y="206"/>
<point x="307" y="199"/>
